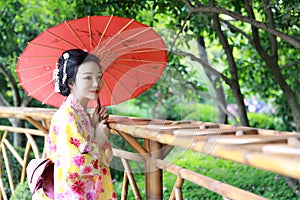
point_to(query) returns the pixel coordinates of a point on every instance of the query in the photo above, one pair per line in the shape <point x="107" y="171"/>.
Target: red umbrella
<point x="132" y="54"/>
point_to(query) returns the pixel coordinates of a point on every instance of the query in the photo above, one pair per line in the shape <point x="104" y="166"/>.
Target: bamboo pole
<point x="124" y="187"/>
<point x="135" y="145"/>
<point x="13" y="151"/>
<point x="2" y="190"/>
<point x="131" y="179"/>
<point x="26" y="154"/>
<point x="155" y="174"/>
<point x="22" y="130"/>
<point x="176" y="191"/>
<point x="208" y="183"/>
<point x="166" y="149"/>
<point x="6" y="162"/>
<point x="37" y="124"/>
<point x="147" y="169"/>
<point x="1" y="183"/>
<point x="34" y="146"/>
<point x="127" y="155"/>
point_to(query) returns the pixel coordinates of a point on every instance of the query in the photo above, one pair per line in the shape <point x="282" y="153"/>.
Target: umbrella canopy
<point x="132" y="55"/>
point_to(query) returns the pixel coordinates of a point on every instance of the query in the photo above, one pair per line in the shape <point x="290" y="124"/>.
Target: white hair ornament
<point x="66" y="56"/>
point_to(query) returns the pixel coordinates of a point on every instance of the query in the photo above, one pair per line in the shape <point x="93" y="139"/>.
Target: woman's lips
<point x="95" y="91"/>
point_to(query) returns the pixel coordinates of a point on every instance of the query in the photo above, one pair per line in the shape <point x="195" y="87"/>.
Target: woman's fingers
<point x="103" y="113"/>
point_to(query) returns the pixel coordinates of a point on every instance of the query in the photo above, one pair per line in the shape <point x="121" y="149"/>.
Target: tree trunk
<point x="287" y="90"/>
<point x="232" y="68"/>
<point x="219" y="98"/>
<point x="19" y="140"/>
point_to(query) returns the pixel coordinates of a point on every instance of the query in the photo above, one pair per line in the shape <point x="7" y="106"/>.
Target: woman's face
<point x="88" y="82"/>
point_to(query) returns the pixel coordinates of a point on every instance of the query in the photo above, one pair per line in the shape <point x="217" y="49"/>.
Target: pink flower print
<point x="78" y="187"/>
<point x="99" y="188"/>
<point x="71" y="118"/>
<point x="75" y="142"/>
<point x="87" y="170"/>
<point x="55" y="130"/>
<point x="95" y="163"/>
<point x="73" y="176"/>
<point x="52" y="147"/>
<point x="90" y="196"/>
<point x="85" y="123"/>
<point x="78" y="160"/>
<point x="113" y="195"/>
<point x="104" y="170"/>
<point x="60" y="196"/>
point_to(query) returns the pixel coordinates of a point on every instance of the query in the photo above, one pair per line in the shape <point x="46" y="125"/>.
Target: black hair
<point x="76" y="58"/>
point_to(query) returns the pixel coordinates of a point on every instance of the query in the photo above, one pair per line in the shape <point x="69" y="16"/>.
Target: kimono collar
<point x="74" y="103"/>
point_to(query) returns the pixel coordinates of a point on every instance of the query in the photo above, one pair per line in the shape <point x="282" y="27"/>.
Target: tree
<point x="273" y="28"/>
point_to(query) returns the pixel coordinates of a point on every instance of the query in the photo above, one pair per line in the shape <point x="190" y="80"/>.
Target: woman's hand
<point x="103" y="114"/>
<point x="102" y="133"/>
<point x="100" y="115"/>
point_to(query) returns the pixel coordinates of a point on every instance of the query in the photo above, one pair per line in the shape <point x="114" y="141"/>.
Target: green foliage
<point x="258" y="120"/>
<point x="260" y="182"/>
<point x="22" y="191"/>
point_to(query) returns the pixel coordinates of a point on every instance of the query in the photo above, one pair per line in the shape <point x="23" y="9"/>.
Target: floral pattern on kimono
<point x="81" y="169"/>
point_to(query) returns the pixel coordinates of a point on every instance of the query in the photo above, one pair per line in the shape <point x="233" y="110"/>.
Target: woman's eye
<point x="88" y="78"/>
<point x="99" y="77"/>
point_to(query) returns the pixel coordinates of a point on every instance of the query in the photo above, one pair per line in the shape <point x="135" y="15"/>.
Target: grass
<point x="257" y="181"/>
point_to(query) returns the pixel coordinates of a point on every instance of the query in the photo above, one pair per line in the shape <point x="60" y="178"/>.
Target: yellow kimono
<point x="81" y="169"/>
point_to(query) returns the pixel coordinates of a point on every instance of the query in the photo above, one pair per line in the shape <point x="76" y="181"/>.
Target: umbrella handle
<point x="96" y="111"/>
<point x="98" y="105"/>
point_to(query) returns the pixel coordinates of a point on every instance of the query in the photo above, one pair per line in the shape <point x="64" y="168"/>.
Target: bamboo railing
<point x="274" y="151"/>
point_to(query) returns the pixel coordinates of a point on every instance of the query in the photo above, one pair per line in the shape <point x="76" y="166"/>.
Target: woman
<point x="78" y="143"/>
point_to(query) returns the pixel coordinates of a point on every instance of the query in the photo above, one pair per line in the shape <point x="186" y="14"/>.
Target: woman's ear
<point x="71" y="85"/>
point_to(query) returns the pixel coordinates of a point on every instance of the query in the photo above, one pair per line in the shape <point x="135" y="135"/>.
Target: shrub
<point x="22" y="191"/>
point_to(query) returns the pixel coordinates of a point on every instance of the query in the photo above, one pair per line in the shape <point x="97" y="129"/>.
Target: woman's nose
<point x="95" y="82"/>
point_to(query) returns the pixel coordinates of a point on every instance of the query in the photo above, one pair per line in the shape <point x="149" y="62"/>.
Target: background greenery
<point x="186" y="90"/>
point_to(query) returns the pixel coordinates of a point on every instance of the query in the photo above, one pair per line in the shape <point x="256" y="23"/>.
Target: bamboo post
<point x="155" y="174"/>
<point x="131" y="179"/>
<point x="2" y="190"/>
<point x="124" y="187"/>
<point x="177" y="192"/>
<point x="6" y="161"/>
<point x="26" y="154"/>
<point x="147" y="161"/>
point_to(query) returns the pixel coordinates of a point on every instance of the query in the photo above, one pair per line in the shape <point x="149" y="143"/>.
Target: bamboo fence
<point x="274" y="151"/>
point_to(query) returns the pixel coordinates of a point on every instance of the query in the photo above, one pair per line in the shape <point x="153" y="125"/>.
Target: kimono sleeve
<point x="76" y="155"/>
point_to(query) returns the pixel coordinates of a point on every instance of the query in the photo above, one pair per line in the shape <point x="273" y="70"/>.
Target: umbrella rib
<point x="62" y="39"/>
<point x="32" y="68"/>
<point x="111" y="74"/>
<point x="90" y="32"/>
<point x="145" y="61"/>
<point x="103" y="59"/>
<point x="107" y="25"/>
<point x="37" y="77"/>
<point x="144" y="30"/>
<point x="134" y="68"/>
<point x="108" y="89"/>
<point x="146" y="42"/>
<point x="103" y="53"/>
<point x="74" y="33"/>
<point x="41" y="45"/>
<point x="146" y="50"/>
<point x="117" y="34"/>
<point x="39" y="88"/>
<point x="48" y="97"/>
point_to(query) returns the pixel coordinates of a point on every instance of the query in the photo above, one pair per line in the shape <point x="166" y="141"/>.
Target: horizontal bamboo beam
<point x="228" y="147"/>
<point x="22" y="130"/>
<point x="208" y="183"/>
<point x="127" y="155"/>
